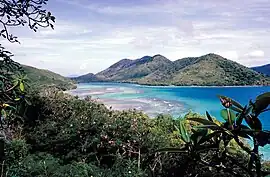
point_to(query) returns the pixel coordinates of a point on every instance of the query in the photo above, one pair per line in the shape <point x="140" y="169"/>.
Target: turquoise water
<point x="171" y="99"/>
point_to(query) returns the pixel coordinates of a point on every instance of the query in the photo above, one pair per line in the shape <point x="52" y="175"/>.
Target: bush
<point x="66" y="136"/>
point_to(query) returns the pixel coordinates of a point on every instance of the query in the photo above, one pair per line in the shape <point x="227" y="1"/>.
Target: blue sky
<point x="90" y="35"/>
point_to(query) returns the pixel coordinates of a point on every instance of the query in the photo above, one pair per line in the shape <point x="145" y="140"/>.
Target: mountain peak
<point x="160" y="57"/>
<point x="146" y="57"/>
<point x="212" y="55"/>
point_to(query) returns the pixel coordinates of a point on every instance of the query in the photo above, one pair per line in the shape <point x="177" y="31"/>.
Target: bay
<point x="174" y="100"/>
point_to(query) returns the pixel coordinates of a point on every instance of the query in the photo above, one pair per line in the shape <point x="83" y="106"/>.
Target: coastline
<point x="174" y="86"/>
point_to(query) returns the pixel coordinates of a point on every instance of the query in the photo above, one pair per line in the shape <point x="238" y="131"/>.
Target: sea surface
<point x="173" y="100"/>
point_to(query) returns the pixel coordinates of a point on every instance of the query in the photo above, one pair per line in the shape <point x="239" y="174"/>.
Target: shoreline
<point x="175" y="86"/>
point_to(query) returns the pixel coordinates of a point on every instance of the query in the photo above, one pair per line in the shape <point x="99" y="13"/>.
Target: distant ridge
<point x="265" y="69"/>
<point x="207" y="70"/>
<point x="90" y="77"/>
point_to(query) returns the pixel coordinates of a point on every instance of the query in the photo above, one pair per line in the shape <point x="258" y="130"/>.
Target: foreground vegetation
<point x="61" y="135"/>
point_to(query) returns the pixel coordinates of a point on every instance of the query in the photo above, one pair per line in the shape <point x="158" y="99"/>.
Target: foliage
<point x="13" y="82"/>
<point x="222" y="138"/>
<point x="22" y="13"/>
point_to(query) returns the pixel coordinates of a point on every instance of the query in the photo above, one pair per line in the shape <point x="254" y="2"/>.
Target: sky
<point x="91" y="35"/>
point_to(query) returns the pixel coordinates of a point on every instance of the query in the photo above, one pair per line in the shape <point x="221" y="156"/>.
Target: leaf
<point x="248" y="110"/>
<point x="53" y="18"/>
<point x="3" y="114"/>
<point x="236" y="109"/>
<point x="12" y="107"/>
<point x="266" y="94"/>
<point x="211" y="127"/>
<point x="21" y="86"/>
<point x="235" y="103"/>
<point x="17" y="99"/>
<point x="228" y="115"/>
<point x="244" y="127"/>
<point x="16" y="83"/>
<point x="209" y="117"/>
<point x="245" y="132"/>
<point x="262" y="102"/>
<point x="27" y="101"/>
<point x="184" y="133"/>
<point x="198" y="135"/>
<point x="210" y="136"/>
<point x="203" y="121"/>
<point x="5" y="105"/>
<point x="253" y="122"/>
<point x="257" y="123"/>
<point x="231" y="150"/>
<point x="263" y="138"/>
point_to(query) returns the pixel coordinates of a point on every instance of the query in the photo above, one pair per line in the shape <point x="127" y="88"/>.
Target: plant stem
<point x="139" y="159"/>
<point x="2" y="171"/>
<point x="257" y="158"/>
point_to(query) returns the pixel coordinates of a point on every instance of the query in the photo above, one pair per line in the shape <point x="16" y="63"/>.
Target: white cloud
<point x="256" y="54"/>
<point x="172" y="29"/>
<point x="233" y="55"/>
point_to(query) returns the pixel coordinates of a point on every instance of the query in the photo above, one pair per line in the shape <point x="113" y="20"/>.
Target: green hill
<point x="210" y="70"/>
<point x="131" y="70"/>
<point x="90" y="77"/>
<point x="265" y="69"/>
<point x="41" y="77"/>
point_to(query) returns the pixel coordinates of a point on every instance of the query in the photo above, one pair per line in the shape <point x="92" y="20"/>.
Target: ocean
<point x="173" y="100"/>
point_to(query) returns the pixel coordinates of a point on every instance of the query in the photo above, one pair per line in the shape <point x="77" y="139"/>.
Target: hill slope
<point x="90" y="77"/>
<point x="40" y="77"/>
<point x="129" y="70"/>
<point x="265" y="69"/>
<point x="210" y="70"/>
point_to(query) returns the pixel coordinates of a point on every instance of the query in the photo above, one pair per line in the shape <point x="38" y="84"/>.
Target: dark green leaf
<point x="16" y="83"/>
<point x="203" y="121"/>
<point x="209" y="117"/>
<point x="184" y="133"/>
<point x="262" y="102"/>
<point x="257" y="123"/>
<point x="211" y="127"/>
<point x="235" y="103"/>
<point x="248" y="110"/>
<point x="3" y="114"/>
<point x="244" y="134"/>
<point x="198" y="135"/>
<point x="228" y="115"/>
<point x="253" y="122"/>
<point x="236" y="109"/>
<point x="27" y="101"/>
<point x="264" y="95"/>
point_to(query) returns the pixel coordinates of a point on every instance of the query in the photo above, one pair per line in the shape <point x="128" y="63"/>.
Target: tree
<point x="22" y="13"/>
<point x="15" y="13"/>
